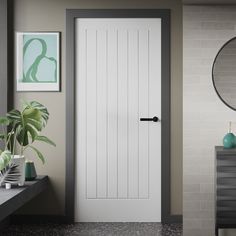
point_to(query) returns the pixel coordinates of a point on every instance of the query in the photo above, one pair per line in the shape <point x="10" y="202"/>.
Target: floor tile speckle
<point x="95" y="229"/>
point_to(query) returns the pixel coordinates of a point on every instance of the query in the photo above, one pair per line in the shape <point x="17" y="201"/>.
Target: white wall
<point x="205" y="117"/>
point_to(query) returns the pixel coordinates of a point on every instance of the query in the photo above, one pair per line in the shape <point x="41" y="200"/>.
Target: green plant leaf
<point x="40" y="155"/>
<point x="2" y="136"/>
<point x="5" y="158"/>
<point x="33" y="132"/>
<point x="27" y="124"/>
<point x="41" y="108"/>
<point x="22" y="137"/>
<point x="14" y="116"/>
<point x="10" y="174"/>
<point x="45" y="139"/>
<point x="4" y="120"/>
<point x="33" y="117"/>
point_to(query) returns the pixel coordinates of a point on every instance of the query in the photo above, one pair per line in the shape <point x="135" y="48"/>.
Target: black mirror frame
<point x="212" y="74"/>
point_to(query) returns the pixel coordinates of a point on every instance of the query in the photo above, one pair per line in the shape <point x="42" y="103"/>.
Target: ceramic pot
<point x="229" y="140"/>
<point x="30" y="171"/>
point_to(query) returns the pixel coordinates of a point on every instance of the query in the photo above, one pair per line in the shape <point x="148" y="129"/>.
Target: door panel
<point x="118" y="161"/>
<point x="143" y="100"/>
<point x="133" y="105"/>
<point x="101" y="114"/>
<point x="122" y="114"/>
<point x="112" y="107"/>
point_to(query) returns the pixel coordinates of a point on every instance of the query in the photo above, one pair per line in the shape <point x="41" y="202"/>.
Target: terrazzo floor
<point x="95" y="229"/>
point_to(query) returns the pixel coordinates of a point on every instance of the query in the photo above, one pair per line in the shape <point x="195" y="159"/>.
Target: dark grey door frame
<point x="71" y="16"/>
<point x="3" y="57"/>
<point x="6" y="55"/>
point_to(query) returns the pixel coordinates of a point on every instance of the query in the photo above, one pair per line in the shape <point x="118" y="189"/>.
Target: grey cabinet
<point x="225" y="188"/>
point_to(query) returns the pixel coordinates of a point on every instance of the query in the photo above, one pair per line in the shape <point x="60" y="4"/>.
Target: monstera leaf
<point x="42" y="109"/>
<point x="5" y="158"/>
<point x="28" y="123"/>
<point x="4" y="122"/>
<point x="45" y="140"/>
<point x="26" y="126"/>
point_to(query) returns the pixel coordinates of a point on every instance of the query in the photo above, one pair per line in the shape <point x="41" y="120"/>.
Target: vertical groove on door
<point x="107" y="113"/>
<point x="101" y="114"/>
<point x="143" y="112"/>
<point x="96" y="113"/>
<point x="122" y="114"/>
<point x="112" y="114"/>
<point x="138" y="107"/>
<point x="117" y="114"/>
<point x="148" y="51"/>
<point x="86" y="113"/>
<point x="91" y="114"/>
<point x="127" y="113"/>
<point x="133" y="116"/>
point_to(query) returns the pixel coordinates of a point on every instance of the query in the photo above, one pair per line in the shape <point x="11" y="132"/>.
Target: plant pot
<point x="20" y="162"/>
<point x="30" y="171"/>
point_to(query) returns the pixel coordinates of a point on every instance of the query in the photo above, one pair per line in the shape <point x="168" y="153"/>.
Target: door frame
<point x="71" y="16"/>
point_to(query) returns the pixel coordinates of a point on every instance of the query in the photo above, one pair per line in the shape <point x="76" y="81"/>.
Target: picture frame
<point x="37" y="61"/>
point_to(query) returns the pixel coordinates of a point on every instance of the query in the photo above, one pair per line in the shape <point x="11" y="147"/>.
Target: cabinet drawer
<point x="226" y="171"/>
<point x="228" y="181"/>
<point x="225" y="221"/>
<point x="225" y="207"/>
<point x="226" y="214"/>
<point x="226" y="204"/>
<point x="226" y="160"/>
<point x="226" y="174"/>
<point x="226" y="192"/>
<point x="226" y="157"/>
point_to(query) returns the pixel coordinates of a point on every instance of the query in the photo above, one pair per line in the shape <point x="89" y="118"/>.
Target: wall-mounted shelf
<point x="12" y="199"/>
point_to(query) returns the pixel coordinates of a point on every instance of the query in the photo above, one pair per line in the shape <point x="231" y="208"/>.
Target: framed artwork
<point x="37" y="61"/>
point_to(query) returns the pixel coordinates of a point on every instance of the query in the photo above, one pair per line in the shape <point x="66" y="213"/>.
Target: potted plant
<point x="24" y="128"/>
<point x="9" y="171"/>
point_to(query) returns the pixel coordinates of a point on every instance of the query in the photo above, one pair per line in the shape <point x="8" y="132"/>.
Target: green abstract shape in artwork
<point x="30" y="76"/>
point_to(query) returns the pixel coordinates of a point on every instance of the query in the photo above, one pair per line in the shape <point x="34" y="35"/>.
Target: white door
<point x="118" y="81"/>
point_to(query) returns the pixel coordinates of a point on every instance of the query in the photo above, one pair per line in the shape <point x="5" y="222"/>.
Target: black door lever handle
<point x="154" y="119"/>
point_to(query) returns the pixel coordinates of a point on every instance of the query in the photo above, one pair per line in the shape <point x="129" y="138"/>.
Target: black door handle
<point x="154" y="119"/>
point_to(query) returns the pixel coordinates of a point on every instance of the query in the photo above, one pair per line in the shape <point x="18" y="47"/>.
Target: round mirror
<point x="224" y="73"/>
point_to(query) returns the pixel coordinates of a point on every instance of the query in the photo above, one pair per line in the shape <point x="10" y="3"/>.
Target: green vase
<point x="30" y="171"/>
<point x="229" y="140"/>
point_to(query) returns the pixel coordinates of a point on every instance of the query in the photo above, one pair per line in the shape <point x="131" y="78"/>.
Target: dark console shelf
<point x="14" y="198"/>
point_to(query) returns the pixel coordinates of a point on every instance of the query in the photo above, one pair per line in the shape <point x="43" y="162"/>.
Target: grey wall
<point x="44" y="15"/>
<point x="205" y="117"/>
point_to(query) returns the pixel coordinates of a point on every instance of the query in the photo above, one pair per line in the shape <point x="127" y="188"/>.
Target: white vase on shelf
<point x="20" y="162"/>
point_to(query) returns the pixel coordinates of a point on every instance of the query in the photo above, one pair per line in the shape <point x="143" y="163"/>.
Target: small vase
<point x="229" y="140"/>
<point x="30" y="171"/>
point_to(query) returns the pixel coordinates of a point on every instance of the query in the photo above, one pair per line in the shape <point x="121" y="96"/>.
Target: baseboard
<point x="60" y="219"/>
<point x="173" y="219"/>
<point x="38" y="219"/>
